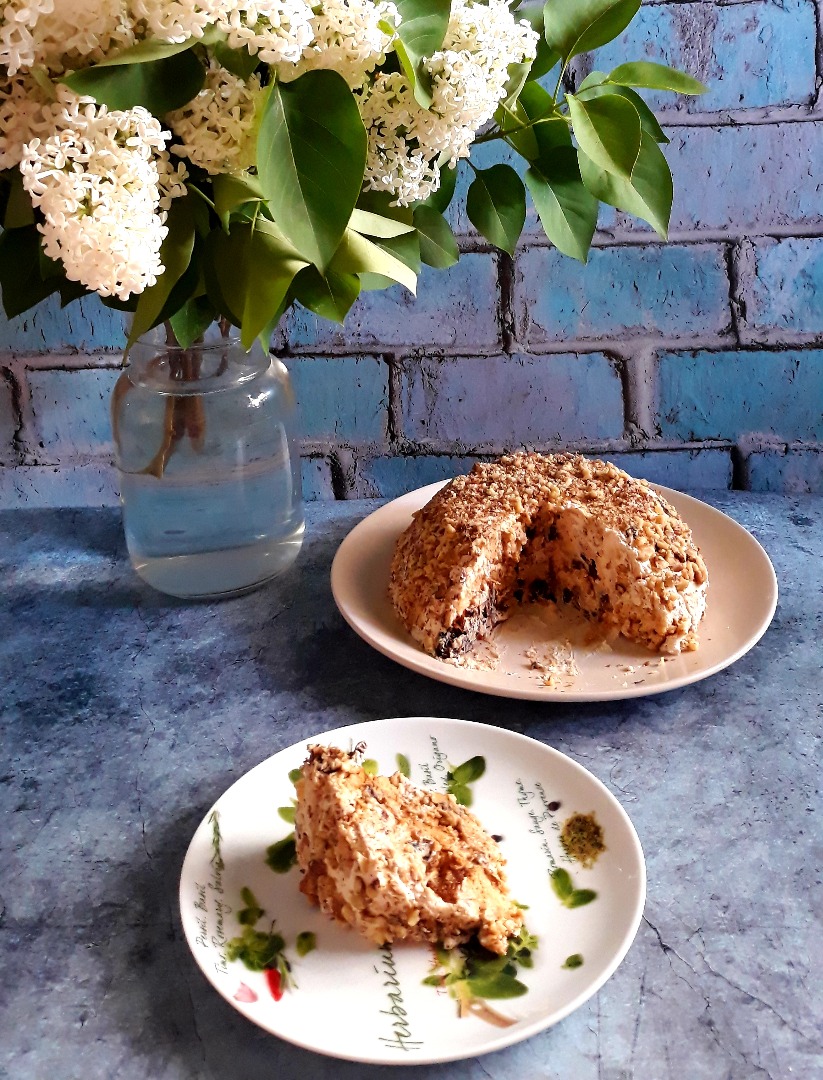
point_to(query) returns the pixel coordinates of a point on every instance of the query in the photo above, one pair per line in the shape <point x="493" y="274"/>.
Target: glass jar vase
<point x="209" y="468"/>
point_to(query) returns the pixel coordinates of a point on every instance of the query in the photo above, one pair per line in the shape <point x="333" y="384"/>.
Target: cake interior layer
<point x="567" y="557"/>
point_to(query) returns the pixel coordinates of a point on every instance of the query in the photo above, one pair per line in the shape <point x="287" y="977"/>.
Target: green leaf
<point x="514" y="120"/>
<point x="438" y="246"/>
<point x="363" y="221"/>
<point x="576" y="26"/>
<point x="357" y="255"/>
<point x="496" y="205"/>
<point x="648" y="121"/>
<point x="561" y="883"/>
<point x="146" y="52"/>
<point x="175" y="254"/>
<point x="406" y="248"/>
<point x="192" y="320"/>
<point x="20" y="278"/>
<point x="648" y="195"/>
<point x="486" y="966"/>
<point x="380" y="203"/>
<point x="311" y="156"/>
<point x="567" y="210"/>
<point x="287" y="813"/>
<point x="295" y="775"/>
<point x="580" y="897"/>
<point x="573" y="961"/>
<point x="374" y="282"/>
<point x="249" y="915"/>
<point x="306" y="942"/>
<point x="329" y="295"/>
<point x="420" y="33"/>
<point x="18" y="210"/>
<point x="230" y="192"/>
<point x="255" y="949"/>
<point x="254" y="268"/>
<point x="496" y="987"/>
<point x="462" y="794"/>
<point x="652" y="76"/>
<point x="469" y="771"/>
<point x="158" y="85"/>
<point x="521" y="948"/>
<point x="548" y="129"/>
<point x="370" y="766"/>
<point x="608" y="131"/>
<point x="518" y="75"/>
<point x="544" y="61"/>
<point x="440" y="199"/>
<point x="239" y="62"/>
<point x="403" y="765"/>
<point x="282" y="856"/>
<point x="269" y="272"/>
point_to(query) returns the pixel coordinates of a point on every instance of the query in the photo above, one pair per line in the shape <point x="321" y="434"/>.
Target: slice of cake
<point x="548" y="528"/>
<point x="396" y="861"/>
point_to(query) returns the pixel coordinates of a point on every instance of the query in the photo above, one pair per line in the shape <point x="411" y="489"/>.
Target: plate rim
<point x="412" y="657"/>
<point x="501" y="1041"/>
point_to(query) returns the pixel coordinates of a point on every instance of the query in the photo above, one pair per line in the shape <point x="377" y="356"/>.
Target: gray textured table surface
<point x="126" y="714"/>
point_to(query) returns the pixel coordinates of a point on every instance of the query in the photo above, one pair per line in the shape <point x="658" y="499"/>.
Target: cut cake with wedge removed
<point x="548" y="528"/>
<point x="396" y="861"/>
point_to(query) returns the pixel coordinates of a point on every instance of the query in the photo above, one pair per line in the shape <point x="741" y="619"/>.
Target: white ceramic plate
<point x="361" y="1003"/>
<point x="741" y="602"/>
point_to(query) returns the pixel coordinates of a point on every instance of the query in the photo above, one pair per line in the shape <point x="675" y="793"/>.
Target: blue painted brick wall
<point x="672" y="291"/>
<point x="525" y="400"/>
<point x="751" y="55"/>
<point x="698" y="364"/>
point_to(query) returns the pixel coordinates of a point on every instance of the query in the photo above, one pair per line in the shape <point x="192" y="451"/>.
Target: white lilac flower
<point x="17" y="21"/>
<point x="393" y="163"/>
<point x="75" y="33"/>
<point x="276" y="31"/>
<point x="347" y="38"/>
<point x="216" y="129"/>
<point x="100" y="182"/>
<point x="407" y="143"/>
<point x="174" y="20"/>
<point x="470" y="73"/>
<point x="25" y="114"/>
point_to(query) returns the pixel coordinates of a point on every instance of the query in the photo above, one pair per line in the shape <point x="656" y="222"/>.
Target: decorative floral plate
<point x="573" y="861"/>
<point x="542" y="653"/>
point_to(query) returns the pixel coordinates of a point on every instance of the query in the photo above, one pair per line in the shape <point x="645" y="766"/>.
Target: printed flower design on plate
<point x="473" y="976"/>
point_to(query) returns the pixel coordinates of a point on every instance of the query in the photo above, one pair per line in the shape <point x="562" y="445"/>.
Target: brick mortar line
<point x="621" y="237"/>
<point x="344" y="460"/>
<point x="818" y="52"/>
<point x="687" y="237"/>
<point x="12" y="380"/>
<point x="624" y="345"/>
<point x="736" y="302"/>
<point x="640" y="394"/>
<point x="758" y="116"/>
<point x="314" y="449"/>
<point x="394" y="409"/>
<point x="506" y="302"/>
<point x="702" y="3"/>
<point x="622" y="444"/>
<point x="47" y="361"/>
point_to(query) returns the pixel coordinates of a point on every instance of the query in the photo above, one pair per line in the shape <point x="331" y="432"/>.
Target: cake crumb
<point x="553" y="662"/>
<point x="482" y="656"/>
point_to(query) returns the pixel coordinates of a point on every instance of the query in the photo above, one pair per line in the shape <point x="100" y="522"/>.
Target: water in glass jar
<point x="213" y="536"/>
<point x="209" y="478"/>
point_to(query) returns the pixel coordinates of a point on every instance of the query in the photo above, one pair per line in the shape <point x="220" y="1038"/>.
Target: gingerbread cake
<point x="548" y="528"/>
<point x="396" y="861"/>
